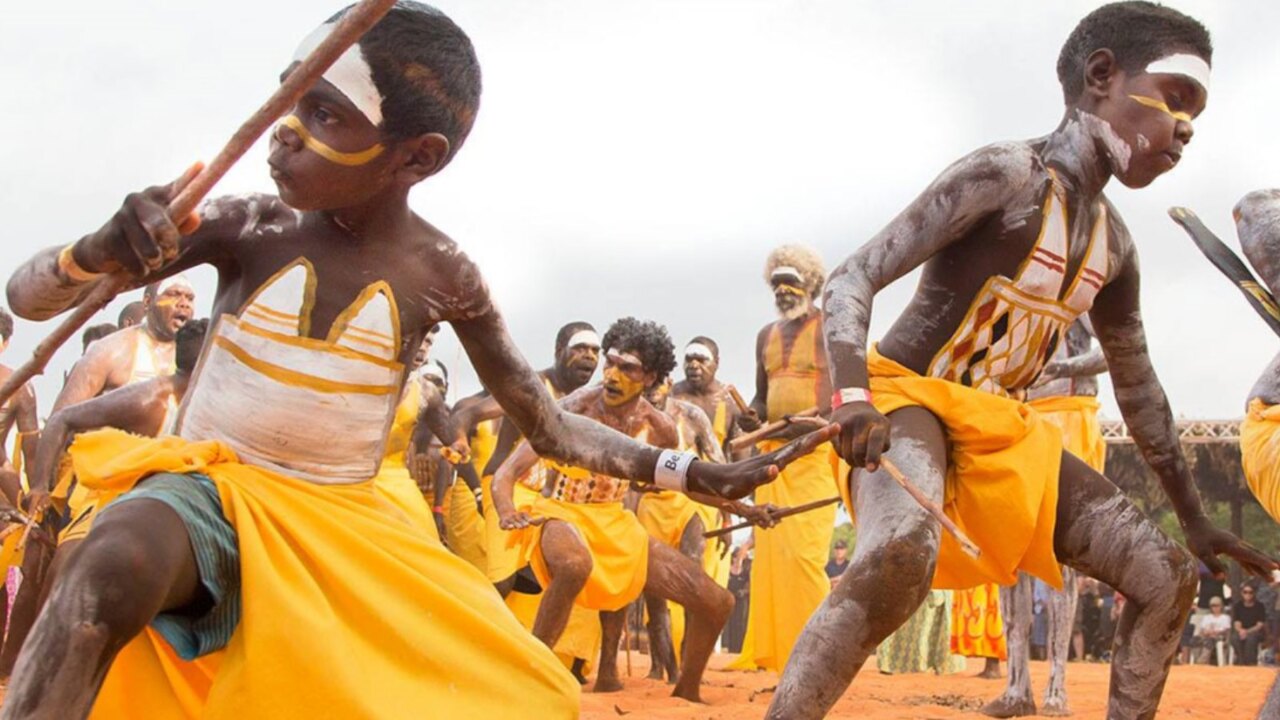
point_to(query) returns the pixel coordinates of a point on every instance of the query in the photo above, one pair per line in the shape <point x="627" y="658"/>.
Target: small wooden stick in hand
<point x="785" y="512"/>
<point x="966" y="544"/>
<point x="762" y="433"/>
<point x="737" y="399"/>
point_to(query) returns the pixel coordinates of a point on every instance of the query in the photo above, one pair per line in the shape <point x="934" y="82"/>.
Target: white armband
<point x="672" y="468"/>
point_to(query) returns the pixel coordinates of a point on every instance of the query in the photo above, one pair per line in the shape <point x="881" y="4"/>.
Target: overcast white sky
<point x="641" y="158"/>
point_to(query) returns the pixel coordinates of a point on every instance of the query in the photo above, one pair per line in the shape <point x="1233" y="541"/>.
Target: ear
<point x="650" y="380"/>
<point x="1100" y="72"/>
<point x="426" y="155"/>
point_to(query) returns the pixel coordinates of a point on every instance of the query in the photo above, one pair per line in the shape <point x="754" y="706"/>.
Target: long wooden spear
<point x="193" y="187"/>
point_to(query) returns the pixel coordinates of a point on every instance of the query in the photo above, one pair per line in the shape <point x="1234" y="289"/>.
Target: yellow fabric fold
<point x="504" y="555"/>
<point x="1002" y="476"/>
<point x="788" y="573"/>
<point x="348" y="610"/>
<point x="465" y="526"/>
<point x="1260" y="453"/>
<point x="618" y="544"/>
<point x="1077" y="417"/>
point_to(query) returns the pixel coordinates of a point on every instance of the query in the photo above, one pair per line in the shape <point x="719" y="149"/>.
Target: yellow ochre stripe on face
<point x="1158" y="105"/>
<point x="350" y="159"/>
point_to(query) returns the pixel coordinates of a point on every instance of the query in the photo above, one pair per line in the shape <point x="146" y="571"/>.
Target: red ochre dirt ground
<point x="1198" y="691"/>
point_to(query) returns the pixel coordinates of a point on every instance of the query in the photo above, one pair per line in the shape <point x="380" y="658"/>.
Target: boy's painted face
<point x="1152" y="112"/>
<point x="624" y="377"/>
<point x="327" y="154"/>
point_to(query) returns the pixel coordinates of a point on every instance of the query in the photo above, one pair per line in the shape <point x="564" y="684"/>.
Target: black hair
<point x="6" y="324"/>
<point x="648" y="340"/>
<point x="1136" y="32"/>
<point x="136" y="307"/>
<point x="426" y="70"/>
<point x="93" y="333"/>
<point x="704" y="340"/>
<point x="188" y="342"/>
<point x="568" y="331"/>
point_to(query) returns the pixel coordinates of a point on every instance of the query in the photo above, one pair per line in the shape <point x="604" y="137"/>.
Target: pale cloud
<point x="641" y="158"/>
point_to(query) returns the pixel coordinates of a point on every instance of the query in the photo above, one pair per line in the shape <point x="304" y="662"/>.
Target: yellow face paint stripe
<point x="1162" y="107"/>
<point x="350" y="159"/>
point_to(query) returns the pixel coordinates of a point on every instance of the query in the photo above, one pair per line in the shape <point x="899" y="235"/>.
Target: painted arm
<point x="139" y="239"/>
<point x="504" y="482"/>
<point x="1117" y="318"/>
<point x="508" y="437"/>
<point x="28" y="426"/>
<point x="137" y="408"/>
<point x="964" y="195"/>
<point x="574" y="440"/>
<point x="471" y="411"/>
<point x="1093" y="362"/>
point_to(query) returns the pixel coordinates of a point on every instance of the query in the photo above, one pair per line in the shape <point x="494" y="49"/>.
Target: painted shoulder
<point x="1011" y="164"/>
<point x="453" y="286"/>
<point x="1121" y="250"/>
<point x="248" y="216"/>
<point x="693" y="412"/>
<point x="579" y="400"/>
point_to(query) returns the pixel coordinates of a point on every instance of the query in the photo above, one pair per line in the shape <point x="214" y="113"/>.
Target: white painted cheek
<point x="1143" y="143"/>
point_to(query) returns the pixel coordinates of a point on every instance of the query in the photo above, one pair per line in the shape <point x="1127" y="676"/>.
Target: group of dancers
<point x="254" y="514"/>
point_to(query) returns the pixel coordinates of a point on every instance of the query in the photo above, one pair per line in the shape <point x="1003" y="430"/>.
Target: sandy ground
<point x="1232" y="693"/>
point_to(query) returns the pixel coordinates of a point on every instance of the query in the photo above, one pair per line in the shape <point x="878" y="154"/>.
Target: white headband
<point x="1192" y="66"/>
<point x="785" y="270"/>
<point x="178" y="280"/>
<point x="351" y="74"/>
<point x="698" y="350"/>
<point x="584" y="337"/>
<point x="625" y="357"/>
<point x="432" y="369"/>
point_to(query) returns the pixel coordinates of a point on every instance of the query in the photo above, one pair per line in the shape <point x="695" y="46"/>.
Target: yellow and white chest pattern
<point x="318" y="410"/>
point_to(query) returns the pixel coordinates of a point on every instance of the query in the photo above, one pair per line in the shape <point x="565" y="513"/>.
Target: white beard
<point x="796" y="312"/>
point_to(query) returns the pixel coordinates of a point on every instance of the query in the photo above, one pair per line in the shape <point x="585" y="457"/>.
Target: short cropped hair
<point x="94" y="333"/>
<point x="6" y="325"/>
<point x="803" y="258"/>
<point x="134" y="312"/>
<point x="711" y="345"/>
<point x="188" y="342"/>
<point x="568" y="331"/>
<point x="1136" y="32"/>
<point x="647" y="340"/>
<point x="426" y="70"/>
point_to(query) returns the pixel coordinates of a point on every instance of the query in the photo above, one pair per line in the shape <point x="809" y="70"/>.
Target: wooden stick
<point x="764" y="432"/>
<point x="966" y="544"/>
<point x="785" y="512"/>
<point x="354" y="24"/>
<point x="743" y="407"/>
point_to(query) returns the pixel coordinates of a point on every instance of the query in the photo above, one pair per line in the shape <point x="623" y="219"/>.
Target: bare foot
<point x="691" y="694"/>
<point x="1007" y="707"/>
<point x="1055" y="707"/>
<point x="607" y="684"/>
<point x="991" y="671"/>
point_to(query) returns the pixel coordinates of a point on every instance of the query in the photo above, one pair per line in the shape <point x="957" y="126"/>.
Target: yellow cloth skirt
<point x="977" y="629"/>
<point x="394" y="485"/>
<point x="505" y="557"/>
<point x="348" y="610"/>
<point x="1260" y="453"/>
<point x="1002" y="476"/>
<point x="788" y="574"/>
<point x="1077" y="417"/>
<point x="617" y="541"/>
<point x="465" y="526"/>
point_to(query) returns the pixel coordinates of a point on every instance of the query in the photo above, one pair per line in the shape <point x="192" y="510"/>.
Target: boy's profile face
<point x="1152" y="113"/>
<point x="327" y="155"/>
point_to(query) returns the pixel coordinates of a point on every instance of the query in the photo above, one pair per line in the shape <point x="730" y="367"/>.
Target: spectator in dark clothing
<point x="1090" y="619"/>
<point x="1210" y="587"/>
<point x="1249" y="620"/>
<point x="839" y="561"/>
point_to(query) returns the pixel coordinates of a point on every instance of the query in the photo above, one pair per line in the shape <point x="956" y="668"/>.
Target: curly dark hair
<point x="646" y="340"/>
<point x="1137" y="32"/>
<point x="426" y="70"/>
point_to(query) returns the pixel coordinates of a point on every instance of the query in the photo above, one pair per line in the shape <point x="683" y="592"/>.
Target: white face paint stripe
<point x="698" y="350"/>
<point x="785" y="270"/>
<point x="351" y="75"/>
<point x="178" y="280"/>
<point x="432" y="370"/>
<point x="584" y="337"/>
<point x="622" y="358"/>
<point x="1192" y="66"/>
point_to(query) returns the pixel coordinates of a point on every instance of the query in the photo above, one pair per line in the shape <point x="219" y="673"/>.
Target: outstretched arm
<point x="1087" y="364"/>
<point x="1117" y="319"/>
<point x="560" y="435"/>
<point x="964" y="195"/>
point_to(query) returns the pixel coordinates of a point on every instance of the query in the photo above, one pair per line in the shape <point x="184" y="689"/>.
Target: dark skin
<point x="701" y="387"/>
<point x="108" y="363"/>
<point x="972" y="223"/>
<point x="786" y="300"/>
<point x="618" y="404"/>
<point x="573" y="369"/>
<point x="19" y="411"/>
<point x="348" y="221"/>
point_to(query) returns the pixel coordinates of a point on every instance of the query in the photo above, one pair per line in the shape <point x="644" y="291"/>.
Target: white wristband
<point x="844" y="396"/>
<point x="672" y="467"/>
